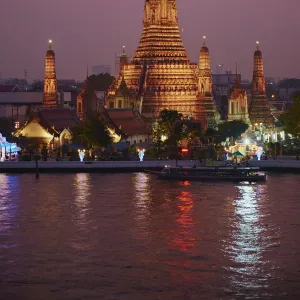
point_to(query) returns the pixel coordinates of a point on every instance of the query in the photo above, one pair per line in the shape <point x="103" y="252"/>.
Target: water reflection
<point x="4" y="195"/>
<point x="3" y="186"/>
<point x="184" y="238"/>
<point x="247" y="245"/>
<point x="142" y="198"/>
<point x="82" y="196"/>
<point x="8" y="206"/>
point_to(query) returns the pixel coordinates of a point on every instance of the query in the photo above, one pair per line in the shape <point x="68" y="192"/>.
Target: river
<point x="131" y="236"/>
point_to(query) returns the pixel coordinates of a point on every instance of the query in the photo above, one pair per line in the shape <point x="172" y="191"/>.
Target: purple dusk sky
<point x="93" y="31"/>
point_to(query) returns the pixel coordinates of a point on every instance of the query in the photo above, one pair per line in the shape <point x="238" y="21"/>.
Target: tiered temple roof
<point x="160" y="72"/>
<point x="259" y="109"/>
<point x="209" y="114"/>
<point x="50" y="99"/>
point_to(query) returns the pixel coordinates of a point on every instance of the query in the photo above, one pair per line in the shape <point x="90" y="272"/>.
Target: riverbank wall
<point x="84" y="167"/>
<point x="129" y="166"/>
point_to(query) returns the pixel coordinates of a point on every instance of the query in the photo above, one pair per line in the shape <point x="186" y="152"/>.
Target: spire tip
<point x="257" y="45"/>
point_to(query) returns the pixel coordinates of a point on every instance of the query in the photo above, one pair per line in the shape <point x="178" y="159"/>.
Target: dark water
<point x="130" y="236"/>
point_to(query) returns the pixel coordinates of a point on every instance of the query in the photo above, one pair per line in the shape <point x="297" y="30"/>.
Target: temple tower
<point x="238" y="103"/>
<point x="123" y="60"/>
<point x="209" y="111"/>
<point x="259" y="109"/>
<point x="160" y="72"/>
<point x="50" y="98"/>
<point x="205" y="77"/>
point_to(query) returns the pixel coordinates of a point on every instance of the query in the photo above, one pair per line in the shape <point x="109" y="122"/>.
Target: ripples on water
<point x="130" y="236"/>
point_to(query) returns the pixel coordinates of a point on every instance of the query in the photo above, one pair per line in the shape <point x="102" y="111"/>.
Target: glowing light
<point x="184" y="150"/>
<point x="81" y="154"/>
<point x="163" y="138"/>
<point x="259" y="153"/>
<point x="141" y="154"/>
<point x="7" y="148"/>
<point x="247" y="141"/>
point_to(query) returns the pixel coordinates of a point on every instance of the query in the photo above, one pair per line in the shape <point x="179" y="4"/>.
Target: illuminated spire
<point x="50" y="98"/>
<point x="259" y="110"/>
<point x="204" y="61"/>
<point x="163" y="41"/>
<point x="124" y="51"/>
<point x="123" y="60"/>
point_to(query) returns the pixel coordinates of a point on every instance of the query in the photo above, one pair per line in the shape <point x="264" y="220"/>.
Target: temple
<point x="238" y="103"/>
<point x="50" y="97"/>
<point x="120" y="95"/>
<point x="160" y="75"/>
<point x="210" y="115"/>
<point x="51" y="125"/>
<point x="259" y="109"/>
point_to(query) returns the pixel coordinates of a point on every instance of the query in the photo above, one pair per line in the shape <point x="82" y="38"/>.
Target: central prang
<point x="160" y="75"/>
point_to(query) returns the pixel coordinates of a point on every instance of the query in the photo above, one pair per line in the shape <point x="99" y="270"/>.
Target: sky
<point x="93" y="31"/>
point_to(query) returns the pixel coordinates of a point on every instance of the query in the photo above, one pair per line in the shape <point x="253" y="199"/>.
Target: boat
<point x="250" y="174"/>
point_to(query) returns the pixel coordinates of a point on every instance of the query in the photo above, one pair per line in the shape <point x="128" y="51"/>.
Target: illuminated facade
<point x="209" y="114"/>
<point x="259" y="109"/>
<point x="238" y="103"/>
<point x="49" y="127"/>
<point x="50" y="97"/>
<point x="160" y="74"/>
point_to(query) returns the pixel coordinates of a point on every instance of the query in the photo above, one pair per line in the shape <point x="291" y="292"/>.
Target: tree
<point x="291" y="118"/>
<point x="231" y="129"/>
<point x="6" y="129"/>
<point x="94" y="134"/>
<point x="100" y="82"/>
<point x="37" y="86"/>
<point x="163" y="128"/>
<point x="210" y="135"/>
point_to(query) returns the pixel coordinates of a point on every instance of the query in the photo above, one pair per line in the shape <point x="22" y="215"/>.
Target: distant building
<point x="286" y="94"/>
<point x="222" y="87"/>
<point x="101" y="69"/>
<point x="16" y="106"/>
<point x="67" y="84"/>
<point x="224" y="83"/>
<point x="6" y="88"/>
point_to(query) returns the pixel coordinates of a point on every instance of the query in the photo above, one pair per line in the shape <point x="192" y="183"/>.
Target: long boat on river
<point x="211" y="174"/>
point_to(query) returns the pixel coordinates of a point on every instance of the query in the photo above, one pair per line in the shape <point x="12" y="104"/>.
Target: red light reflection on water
<point x="184" y="239"/>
